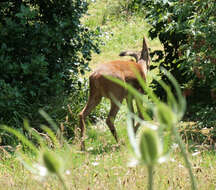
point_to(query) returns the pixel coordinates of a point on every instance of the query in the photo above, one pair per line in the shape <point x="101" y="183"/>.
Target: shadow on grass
<point x="109" y="147"/>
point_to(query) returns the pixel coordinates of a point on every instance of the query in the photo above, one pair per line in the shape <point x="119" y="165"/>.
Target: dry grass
<point x="104" y="166"/>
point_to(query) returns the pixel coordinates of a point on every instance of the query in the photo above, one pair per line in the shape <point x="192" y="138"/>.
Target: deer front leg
<point x="139" y="109"/>
<point x="82" y="130"/>
<point x="130" y="107"/>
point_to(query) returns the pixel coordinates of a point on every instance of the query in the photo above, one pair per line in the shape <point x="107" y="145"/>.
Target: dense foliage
<point x="43" y="49"/>
<point x="131" y="6"/>
<point x="187" y="30"/>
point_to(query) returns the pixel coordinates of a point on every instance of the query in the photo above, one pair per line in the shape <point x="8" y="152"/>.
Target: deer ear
<point x="144" y="52"/>
<point x="145" y="46"/>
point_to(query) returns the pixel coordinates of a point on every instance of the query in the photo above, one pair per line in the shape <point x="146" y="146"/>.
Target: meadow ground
<point x="106" y="166"/>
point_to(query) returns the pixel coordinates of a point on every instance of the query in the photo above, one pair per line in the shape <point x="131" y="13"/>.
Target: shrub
<point x="187" y="31"/>
<point x="41" y="43"/>
<point x="131" y="7"/>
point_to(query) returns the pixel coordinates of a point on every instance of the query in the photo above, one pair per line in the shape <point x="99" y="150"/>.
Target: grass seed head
<point x="150" y="148"/>
<point x="52" y="162"/>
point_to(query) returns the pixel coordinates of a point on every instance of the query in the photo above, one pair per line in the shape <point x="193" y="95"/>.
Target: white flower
<point x="67" y="172"/>
<point x="180" y="166"/>
<point x="162" y="159"/>
<point x="195" y="153"/>
<point x="174" y="146"/>
<point x="41" y="170"/>
<point x="133" y="162"/>
<point x="90" y="149"/>
<point x="95" y="163"/>
<point x="172" y="160"/>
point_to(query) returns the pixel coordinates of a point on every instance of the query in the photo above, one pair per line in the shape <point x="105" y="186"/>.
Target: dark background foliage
<point x="187" y="31"/>
<point x="43" y="49"/>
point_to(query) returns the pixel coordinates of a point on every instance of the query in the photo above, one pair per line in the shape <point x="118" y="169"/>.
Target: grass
<point x="105" y="165"/>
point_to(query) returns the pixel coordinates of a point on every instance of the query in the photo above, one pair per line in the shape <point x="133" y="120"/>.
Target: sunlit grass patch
<point x="108" y="170"/>
<point x="118" y="33"/>
<point x="105" y="166"/>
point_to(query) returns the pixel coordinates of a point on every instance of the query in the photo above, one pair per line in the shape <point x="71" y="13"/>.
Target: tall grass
<point x="149" y="151"/>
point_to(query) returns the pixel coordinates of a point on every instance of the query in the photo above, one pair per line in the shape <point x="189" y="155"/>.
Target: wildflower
<point x="67" y="172"/>
<point x="172" y="160"/>
<point x="133" y="162"/>
<point x="196" y="153"/>
<point x="41" y="170"/>
<point x="95" y="163"/>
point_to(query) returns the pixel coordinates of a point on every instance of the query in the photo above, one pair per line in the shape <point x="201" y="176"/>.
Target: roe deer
<point x="100" y="86"/>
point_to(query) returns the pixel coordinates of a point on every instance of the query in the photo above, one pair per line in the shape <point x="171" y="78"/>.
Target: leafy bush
<point x="187" y="31"/>
<point x="132" y="7"/>
<point x="119" y="10"/>
<point x="41" y="43"/>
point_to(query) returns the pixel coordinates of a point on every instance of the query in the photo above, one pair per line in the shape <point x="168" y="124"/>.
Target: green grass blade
<point x="21" y="137"/>
<point x="130" y="89"/>
<point x="51" y="134"/>
<point x="48" y="119"/>
<point x="33" y="132"/>
<point x="170" y="97"/>
<point x="145" y="87"/>
<point x="181" y="99"/>
<point x="132" y="136"/>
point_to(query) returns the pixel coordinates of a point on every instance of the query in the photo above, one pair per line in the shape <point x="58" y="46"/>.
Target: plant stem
<point x="187" y="162"/>
<point x="150" y="177"/>
<point x="62" y="181"/>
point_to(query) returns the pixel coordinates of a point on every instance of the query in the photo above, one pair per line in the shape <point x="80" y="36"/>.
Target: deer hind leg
<point x="111" y="118"/>
<point x="93" y="101"/>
